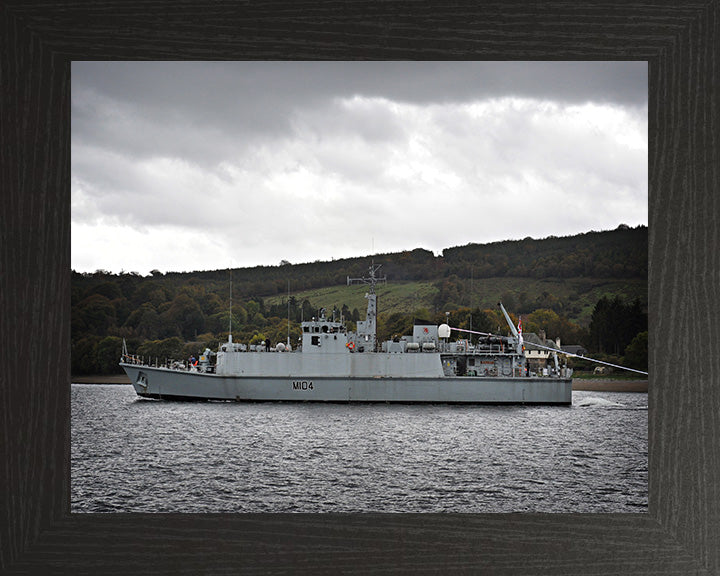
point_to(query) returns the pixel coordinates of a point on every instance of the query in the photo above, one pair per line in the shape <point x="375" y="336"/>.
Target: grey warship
<point x="333" y="364"/>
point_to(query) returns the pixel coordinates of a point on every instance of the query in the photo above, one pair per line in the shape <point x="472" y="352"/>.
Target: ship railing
<point x="169" y="363"/>
<point x="553" y="373"/>
<point x="476" y="350"/>
<point x="133" y="359"/>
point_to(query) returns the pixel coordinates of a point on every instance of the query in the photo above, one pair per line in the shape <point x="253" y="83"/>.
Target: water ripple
<point x="134" y="455"/>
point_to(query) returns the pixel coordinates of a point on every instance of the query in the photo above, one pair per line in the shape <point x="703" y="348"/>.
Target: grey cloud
<point x="260" y="96"/>
<point x="219" y="147"/>
<point x="211" y="112"/>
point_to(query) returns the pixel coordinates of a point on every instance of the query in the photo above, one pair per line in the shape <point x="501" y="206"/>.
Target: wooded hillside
<point x="567" y="286"/>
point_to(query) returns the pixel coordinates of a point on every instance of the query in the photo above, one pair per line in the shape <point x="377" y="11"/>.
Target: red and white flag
<point x="520" y="329"/>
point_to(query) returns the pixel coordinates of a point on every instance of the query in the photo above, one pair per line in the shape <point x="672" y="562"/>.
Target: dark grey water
<point x="135" y="455"/>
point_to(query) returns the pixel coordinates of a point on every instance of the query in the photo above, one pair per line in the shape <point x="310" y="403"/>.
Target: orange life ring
<point x="351" y="346"/>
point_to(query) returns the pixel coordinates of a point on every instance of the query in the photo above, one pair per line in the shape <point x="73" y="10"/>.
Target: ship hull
<point x="163" y="383"/>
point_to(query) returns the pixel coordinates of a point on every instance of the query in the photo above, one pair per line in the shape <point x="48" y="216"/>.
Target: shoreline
<point x="609" y="385"/>
<point x="589" y="384"/>
<point x="101" y="379"/>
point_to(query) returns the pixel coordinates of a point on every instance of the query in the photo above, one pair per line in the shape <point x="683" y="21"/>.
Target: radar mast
<point x="367" y="329"/>
<point x="372" y="280"/>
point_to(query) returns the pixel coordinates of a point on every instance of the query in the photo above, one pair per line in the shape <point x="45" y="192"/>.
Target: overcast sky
<point x="209" y="165"/>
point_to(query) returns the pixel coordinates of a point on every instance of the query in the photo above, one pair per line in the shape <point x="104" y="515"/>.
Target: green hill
<point x="573" y="297"/>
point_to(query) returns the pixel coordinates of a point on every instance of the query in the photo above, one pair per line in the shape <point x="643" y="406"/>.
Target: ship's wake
<point x="594" y="401"/>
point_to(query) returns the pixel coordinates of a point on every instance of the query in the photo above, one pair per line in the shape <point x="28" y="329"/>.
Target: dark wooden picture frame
<point x="681" y="532"/>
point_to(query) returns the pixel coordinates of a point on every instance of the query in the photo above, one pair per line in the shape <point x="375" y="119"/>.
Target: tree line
<point x="620" y="253"/>
<point x="617" y="332"/>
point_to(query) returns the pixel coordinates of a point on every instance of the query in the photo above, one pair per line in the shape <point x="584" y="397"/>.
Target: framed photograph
<point x="676" y="533"/>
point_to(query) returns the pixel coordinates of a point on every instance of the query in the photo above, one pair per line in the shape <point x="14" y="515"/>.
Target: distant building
<point x="539" y="358"/>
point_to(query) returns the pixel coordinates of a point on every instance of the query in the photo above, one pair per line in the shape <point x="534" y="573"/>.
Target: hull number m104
<point x="302" y="385"/>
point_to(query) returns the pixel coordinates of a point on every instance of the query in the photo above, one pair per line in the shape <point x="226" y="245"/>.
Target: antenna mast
<point x="372" y="280"/>
<point x="230" y="328"/>
<point x="367" y="329"/>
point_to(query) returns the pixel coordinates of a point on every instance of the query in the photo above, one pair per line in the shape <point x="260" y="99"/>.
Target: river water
<point x="134" y="455"/>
